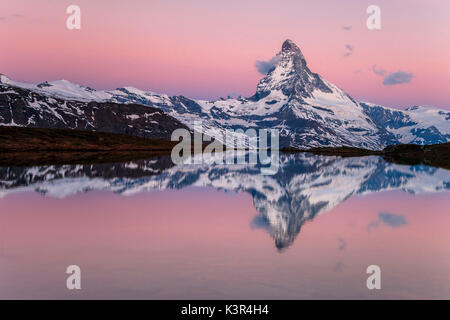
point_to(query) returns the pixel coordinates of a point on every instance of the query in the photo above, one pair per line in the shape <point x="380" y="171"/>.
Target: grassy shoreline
<point x="20" y="139"/>
<point x="36" y="146"/>
<point x="21" y="146"/>
<point x="436" y="155"/>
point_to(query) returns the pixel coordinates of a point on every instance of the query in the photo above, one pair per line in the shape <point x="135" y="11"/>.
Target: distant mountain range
<point x="307" y="110"/>
<point x="305" y="186"/>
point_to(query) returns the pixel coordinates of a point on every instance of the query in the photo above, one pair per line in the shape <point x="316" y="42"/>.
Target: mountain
<point x="28" y="106"/>
<point x="307" y="110"/>
<point x="305" y="186"/>
<point x="414" y="125"/>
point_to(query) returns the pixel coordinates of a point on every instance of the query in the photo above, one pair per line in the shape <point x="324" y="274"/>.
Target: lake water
<point x="151" y="230"/>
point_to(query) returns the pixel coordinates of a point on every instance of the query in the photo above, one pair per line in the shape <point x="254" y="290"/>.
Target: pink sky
<point x="201" y="246"/>
<point x="206" y="49"/>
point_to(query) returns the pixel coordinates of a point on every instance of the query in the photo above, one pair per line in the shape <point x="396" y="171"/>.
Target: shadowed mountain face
<point x="305" y="186"/>
<point x="27" y="108"/>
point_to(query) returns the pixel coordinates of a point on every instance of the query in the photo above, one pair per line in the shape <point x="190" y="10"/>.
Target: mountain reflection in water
<point x="305" y="185"/>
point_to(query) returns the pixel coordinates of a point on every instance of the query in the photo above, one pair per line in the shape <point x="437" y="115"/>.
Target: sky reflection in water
<point x="148" y="229"/>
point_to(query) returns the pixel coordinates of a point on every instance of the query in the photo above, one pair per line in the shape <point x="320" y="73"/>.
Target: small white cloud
<point x="393" y="78"/>
<point x="349" y="49"/>
<point x="264" y="67"/>
<point x="398" y="77"/>
<point x="389" y="219"/>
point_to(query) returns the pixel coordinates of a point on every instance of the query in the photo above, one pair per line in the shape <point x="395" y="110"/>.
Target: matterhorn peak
<point x="291" y="75"/>
<point x="290" y="50"/>
<point x="289" y="45"/>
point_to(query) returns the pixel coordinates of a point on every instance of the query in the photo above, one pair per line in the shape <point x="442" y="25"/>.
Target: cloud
<point x="398" y="77"/>
<point x="347" y="28"/>
<point x="264" y="67"/>
<point x="392" y="220"/>
<point x="15" y="15"/>
<point x="393" y="78"/>
<point x="378" y="71"/>
<point x="349" y="50"/>
<point x="342" y="244"/>
<point x="389" y="219"/>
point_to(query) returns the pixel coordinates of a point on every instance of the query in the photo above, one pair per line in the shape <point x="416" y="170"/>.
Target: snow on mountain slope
<point x="418" y="125"/>
<point x="24" y="107"/>
<point x="69" y="90"/>
<point x="307" y="110"/>
<point x="428" y="117"/>
<point x="60" y="88"/>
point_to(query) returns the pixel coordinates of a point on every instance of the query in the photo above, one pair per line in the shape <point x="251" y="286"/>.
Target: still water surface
<point x="151" y="230"/>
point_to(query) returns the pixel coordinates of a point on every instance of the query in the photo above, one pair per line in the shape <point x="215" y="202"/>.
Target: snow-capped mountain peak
<point x="307" y="110"/>
<point x="291" y="75"/>
<point x="73" y="91"/>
